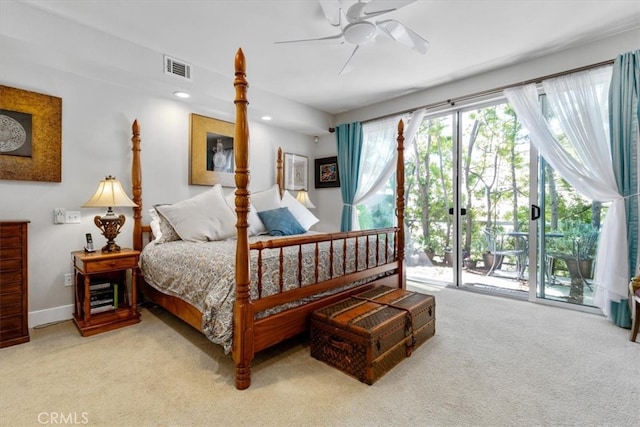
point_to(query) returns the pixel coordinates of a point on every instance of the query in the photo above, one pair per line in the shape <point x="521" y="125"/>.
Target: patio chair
<point x="496" y="247"/>
<point x="579" y="262"/>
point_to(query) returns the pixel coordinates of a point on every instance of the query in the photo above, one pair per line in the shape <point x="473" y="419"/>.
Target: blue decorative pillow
<point x="281" y="222"/>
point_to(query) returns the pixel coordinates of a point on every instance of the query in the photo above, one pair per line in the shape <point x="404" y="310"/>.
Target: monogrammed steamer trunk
<point x="369" y="333"/>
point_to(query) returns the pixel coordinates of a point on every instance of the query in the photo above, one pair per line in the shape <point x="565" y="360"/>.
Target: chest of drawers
<point x="14" y="327"/>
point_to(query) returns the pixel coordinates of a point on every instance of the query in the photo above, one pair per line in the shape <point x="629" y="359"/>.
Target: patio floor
<point x="497" y="282"/>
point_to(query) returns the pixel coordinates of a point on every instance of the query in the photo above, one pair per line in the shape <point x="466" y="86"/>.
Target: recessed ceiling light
<point x="266" y="118"/>
<point x="180" y="94"/>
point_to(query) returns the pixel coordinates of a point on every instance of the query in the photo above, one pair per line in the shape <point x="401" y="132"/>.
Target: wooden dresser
<point x="14" y="327"/>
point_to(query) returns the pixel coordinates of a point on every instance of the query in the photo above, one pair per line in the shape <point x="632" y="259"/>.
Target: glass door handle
<point x="535" y="212"/>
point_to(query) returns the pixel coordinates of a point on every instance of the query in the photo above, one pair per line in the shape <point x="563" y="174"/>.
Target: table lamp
<point x="303" y="197"/>
<point x="108" y="195"/>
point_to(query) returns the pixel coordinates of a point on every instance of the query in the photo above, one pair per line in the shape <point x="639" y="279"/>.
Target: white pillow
<point x="266" y="200"/>
<point x="201" y="218"/>
<point x="299" y="211"/>
<point x="255" y="223"/>
<point x="155" y="224"/>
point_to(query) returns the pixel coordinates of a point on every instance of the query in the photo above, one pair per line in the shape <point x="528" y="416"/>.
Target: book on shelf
<point x="104" y="298"/>
<point x="101" y="294"/>
<point x="99" y="285"/>
<point x="99" y="302"/>
<point x="102" y="308"/>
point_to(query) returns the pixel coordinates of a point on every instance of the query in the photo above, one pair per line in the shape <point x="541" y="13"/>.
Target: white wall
<point x="97" y="114"/>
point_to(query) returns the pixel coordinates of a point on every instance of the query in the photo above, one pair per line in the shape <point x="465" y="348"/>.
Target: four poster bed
<point x="270" y="286"/>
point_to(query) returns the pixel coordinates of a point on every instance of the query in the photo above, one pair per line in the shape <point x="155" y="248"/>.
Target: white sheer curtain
<point x="579" y="102"/>
<point x="379" y="153"/>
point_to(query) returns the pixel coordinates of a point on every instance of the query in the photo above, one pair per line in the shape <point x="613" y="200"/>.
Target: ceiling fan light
<point x="360" y="32"/>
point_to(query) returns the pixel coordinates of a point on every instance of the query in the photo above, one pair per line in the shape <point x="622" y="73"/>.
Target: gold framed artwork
<point x="296" y="172"/>
<point x="30" y="136"/>
<point x="211" y="152"/>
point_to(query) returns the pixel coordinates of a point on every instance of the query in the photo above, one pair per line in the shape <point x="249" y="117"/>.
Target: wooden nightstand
<point x="102" y="300"/>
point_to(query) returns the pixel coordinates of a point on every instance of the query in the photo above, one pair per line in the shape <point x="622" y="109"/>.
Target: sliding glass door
<point x="483" y="211"/>
<point x="494" y="199"/>
<point x="467" y="192"/>
<point x="429" y="192"/>
<point x="568" y="241"/>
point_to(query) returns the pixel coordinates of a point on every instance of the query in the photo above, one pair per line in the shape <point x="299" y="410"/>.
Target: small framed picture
<point x="327" y="174"/>
<point x="296" y="172"/>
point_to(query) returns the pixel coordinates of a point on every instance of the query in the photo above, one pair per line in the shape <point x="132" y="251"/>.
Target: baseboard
<point x="50" y="315"/>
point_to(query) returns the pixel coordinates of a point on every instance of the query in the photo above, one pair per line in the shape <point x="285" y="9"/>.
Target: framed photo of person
<point x="327" y="173"/>
<point x="211" y="152"/>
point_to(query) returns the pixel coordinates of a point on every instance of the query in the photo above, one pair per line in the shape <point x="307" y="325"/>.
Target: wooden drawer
<point x="11" y="230"/>
<point x="11" y="282"/>
<point x="10" y="252"/>
<point x="107" y="265"/>
<point x="10" y="264"/>
<point x="10" y="304"/>
<point x="8" y="242"/>
<point x="11" y="327"/>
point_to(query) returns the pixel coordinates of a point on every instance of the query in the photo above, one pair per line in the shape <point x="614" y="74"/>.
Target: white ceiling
<point x="466" y="38"/>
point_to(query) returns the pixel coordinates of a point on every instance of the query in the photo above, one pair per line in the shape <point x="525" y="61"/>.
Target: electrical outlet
<point x="68" y="279"/>
<point x="72" y="217"/>
<point x="59" y="216"/>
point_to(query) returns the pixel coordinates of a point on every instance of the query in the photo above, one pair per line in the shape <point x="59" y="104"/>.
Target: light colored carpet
<point x="493" y="362"/>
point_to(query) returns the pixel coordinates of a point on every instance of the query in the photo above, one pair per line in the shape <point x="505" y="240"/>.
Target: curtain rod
<point x="493" y="91"/>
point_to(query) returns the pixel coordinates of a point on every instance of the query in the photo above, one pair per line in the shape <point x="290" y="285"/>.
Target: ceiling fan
<point x="353" y="20"/>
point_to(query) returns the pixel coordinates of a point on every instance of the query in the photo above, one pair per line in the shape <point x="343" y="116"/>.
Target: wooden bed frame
<point x="251" y="335"/>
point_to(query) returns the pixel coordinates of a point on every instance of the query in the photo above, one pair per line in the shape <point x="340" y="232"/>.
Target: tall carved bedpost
<point x="400" y="203"/>
<point x="136" y="183"/>
<point x="279" y="174"/>
<point x="243" y="314"/>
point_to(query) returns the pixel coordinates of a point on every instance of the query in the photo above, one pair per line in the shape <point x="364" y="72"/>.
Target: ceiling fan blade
<point x="331" y="9"/>
<point x="378" y="7"/>
<point x="344" y="67"/>
<point x="403" y="35"/>
<point x="336" y="37"/>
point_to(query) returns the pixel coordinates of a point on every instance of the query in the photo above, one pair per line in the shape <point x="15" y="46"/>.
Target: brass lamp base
<point x="110" y="226"/>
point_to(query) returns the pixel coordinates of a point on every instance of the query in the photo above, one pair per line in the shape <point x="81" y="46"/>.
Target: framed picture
<point x="296" y="172"/>
<point x="211" y="148"/>
<point x="31" y="136"/>
<point x="327" y="174"/>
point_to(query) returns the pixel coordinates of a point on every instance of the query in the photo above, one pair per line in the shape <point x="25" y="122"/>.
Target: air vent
<point x="177" y="68"/>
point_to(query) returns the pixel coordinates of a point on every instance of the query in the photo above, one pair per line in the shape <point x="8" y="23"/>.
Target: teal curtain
<point x="624" y="116"/>
<point x="349" y="140"/>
